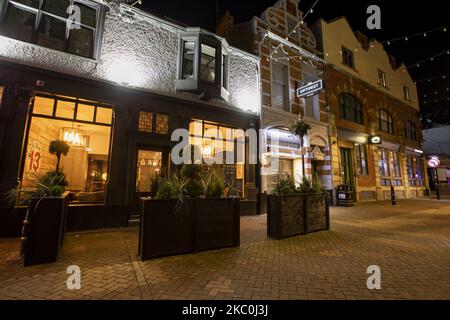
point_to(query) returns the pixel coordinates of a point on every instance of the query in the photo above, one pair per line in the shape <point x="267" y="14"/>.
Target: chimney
<point x="362" y="39"/>
<point x="393" y="62"/>
<point x="225" y="25"/>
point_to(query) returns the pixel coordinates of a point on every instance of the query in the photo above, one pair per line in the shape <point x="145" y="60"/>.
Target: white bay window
<point x="203" y="66"/>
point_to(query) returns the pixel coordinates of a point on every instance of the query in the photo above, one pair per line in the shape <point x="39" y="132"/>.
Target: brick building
<point x="289" y="60"/>
<point x="375" y="128"/>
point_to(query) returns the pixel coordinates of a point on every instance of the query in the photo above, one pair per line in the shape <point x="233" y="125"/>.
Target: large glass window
<point x="350" y="108"/>
<point x="410" y="130"/>
<point x="396" y="169"/>
<point x="361" y="159"/>
<point x="390" y="169"/>
<point x="280" y="86"/>
<point x="414" y="169"/>
<point x="383" y="164"/>
<point x="51" y="24"/>
<point x="385" y="122"/>
<point x="86" y="163"/>
<point x="220" y="142"/>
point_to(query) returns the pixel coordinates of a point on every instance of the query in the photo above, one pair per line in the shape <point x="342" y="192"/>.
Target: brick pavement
<point x="411" y="244"/>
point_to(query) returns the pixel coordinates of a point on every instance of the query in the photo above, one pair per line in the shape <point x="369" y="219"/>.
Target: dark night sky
<point x="399" y="18"/>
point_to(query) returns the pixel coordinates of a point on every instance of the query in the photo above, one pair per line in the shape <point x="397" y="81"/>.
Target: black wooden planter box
<point x="198" y="225"/>
<point x="289" y="216"/>
<point x="45" y="231"/>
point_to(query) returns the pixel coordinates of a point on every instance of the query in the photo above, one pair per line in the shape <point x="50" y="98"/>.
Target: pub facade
<point x="114" y="84"/>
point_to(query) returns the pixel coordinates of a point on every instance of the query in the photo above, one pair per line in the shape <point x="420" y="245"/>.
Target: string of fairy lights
<point x="424" y="34"/>
<point x="292" y="32"/>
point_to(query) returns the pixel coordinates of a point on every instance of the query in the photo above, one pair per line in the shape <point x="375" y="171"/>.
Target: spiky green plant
<point x="285" y="186"/>
<point x="213" y="185"/>
<point x="50" y="184"/>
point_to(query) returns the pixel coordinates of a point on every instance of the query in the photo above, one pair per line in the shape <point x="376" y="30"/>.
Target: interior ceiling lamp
<point x="74" y="137"/>
<point x="207" y="151"/>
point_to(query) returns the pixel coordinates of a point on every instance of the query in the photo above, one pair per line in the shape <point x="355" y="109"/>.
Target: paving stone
<point x="410" y="243"/>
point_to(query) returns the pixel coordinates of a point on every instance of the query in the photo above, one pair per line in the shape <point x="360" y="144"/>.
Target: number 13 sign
<point x="35" y="157"/>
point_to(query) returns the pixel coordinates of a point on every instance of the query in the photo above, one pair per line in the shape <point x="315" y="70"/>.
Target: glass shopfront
<point x="225" y="146"/>
<point x="86" y="127"/>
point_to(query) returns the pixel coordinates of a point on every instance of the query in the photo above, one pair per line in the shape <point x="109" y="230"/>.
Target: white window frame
<point x="196" y="84"/>
<point x="406" y="93"/>
<point x="287" y="103"/>
<point x="97" y="31"/>
<point x="382" y="81"/>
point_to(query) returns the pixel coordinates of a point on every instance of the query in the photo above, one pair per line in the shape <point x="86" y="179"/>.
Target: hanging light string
<point x="423" y="34"/>
<point x="293" y="31"/>
<point x="435" y="92"/>
<point x="444" y="76"/>
<point x="435" y="100"/>
<point x="417" y="64"/>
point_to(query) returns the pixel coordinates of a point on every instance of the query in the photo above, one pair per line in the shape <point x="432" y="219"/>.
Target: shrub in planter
<point x="213" y="186"/>
<point x="294" y="211"/>
<point x="192" y="175"/>
<point x="181" y="220"/>
<point x="44" y="225"/>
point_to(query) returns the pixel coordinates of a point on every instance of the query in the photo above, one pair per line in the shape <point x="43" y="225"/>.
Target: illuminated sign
<point x="434" y="162"/>
<point x="375" y="140"/>
<point x="310" y="89"/>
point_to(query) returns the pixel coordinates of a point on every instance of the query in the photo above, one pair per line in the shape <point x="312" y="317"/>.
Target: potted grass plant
<point x="296" y="210"/>
<point x="47" y="201"/>
<point x="188" y="214"/>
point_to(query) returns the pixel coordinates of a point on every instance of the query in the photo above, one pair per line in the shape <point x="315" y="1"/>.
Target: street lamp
<point x="300" y="128"/>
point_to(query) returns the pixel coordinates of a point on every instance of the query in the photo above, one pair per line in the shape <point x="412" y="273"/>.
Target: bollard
<point x="393" y="196"/>
<point x="438" y="193"/>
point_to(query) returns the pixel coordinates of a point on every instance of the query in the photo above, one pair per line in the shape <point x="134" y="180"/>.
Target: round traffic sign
<point x="434" y="162"/>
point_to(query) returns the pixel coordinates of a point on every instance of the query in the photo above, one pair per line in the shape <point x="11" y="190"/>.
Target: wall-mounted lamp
<point x="375" y="140"/>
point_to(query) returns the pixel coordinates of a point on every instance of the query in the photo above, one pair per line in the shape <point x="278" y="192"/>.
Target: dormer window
<point x="203" y="66"/>
<point x="72" y="26"/>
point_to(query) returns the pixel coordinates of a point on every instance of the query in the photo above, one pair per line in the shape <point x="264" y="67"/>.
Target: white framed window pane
<point x="18" y="24"/>
<point x="208" y="63"/>
<point x="278" y="96"/>
<point x="81" y="42"/>
<point x="88" y="15"/>
<point x="57" y="7"/>
<point x="51" y="33"/>
<point x="225" y="71"/>
<point x="29" y="3"/>
<point x="188" y="59"/>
